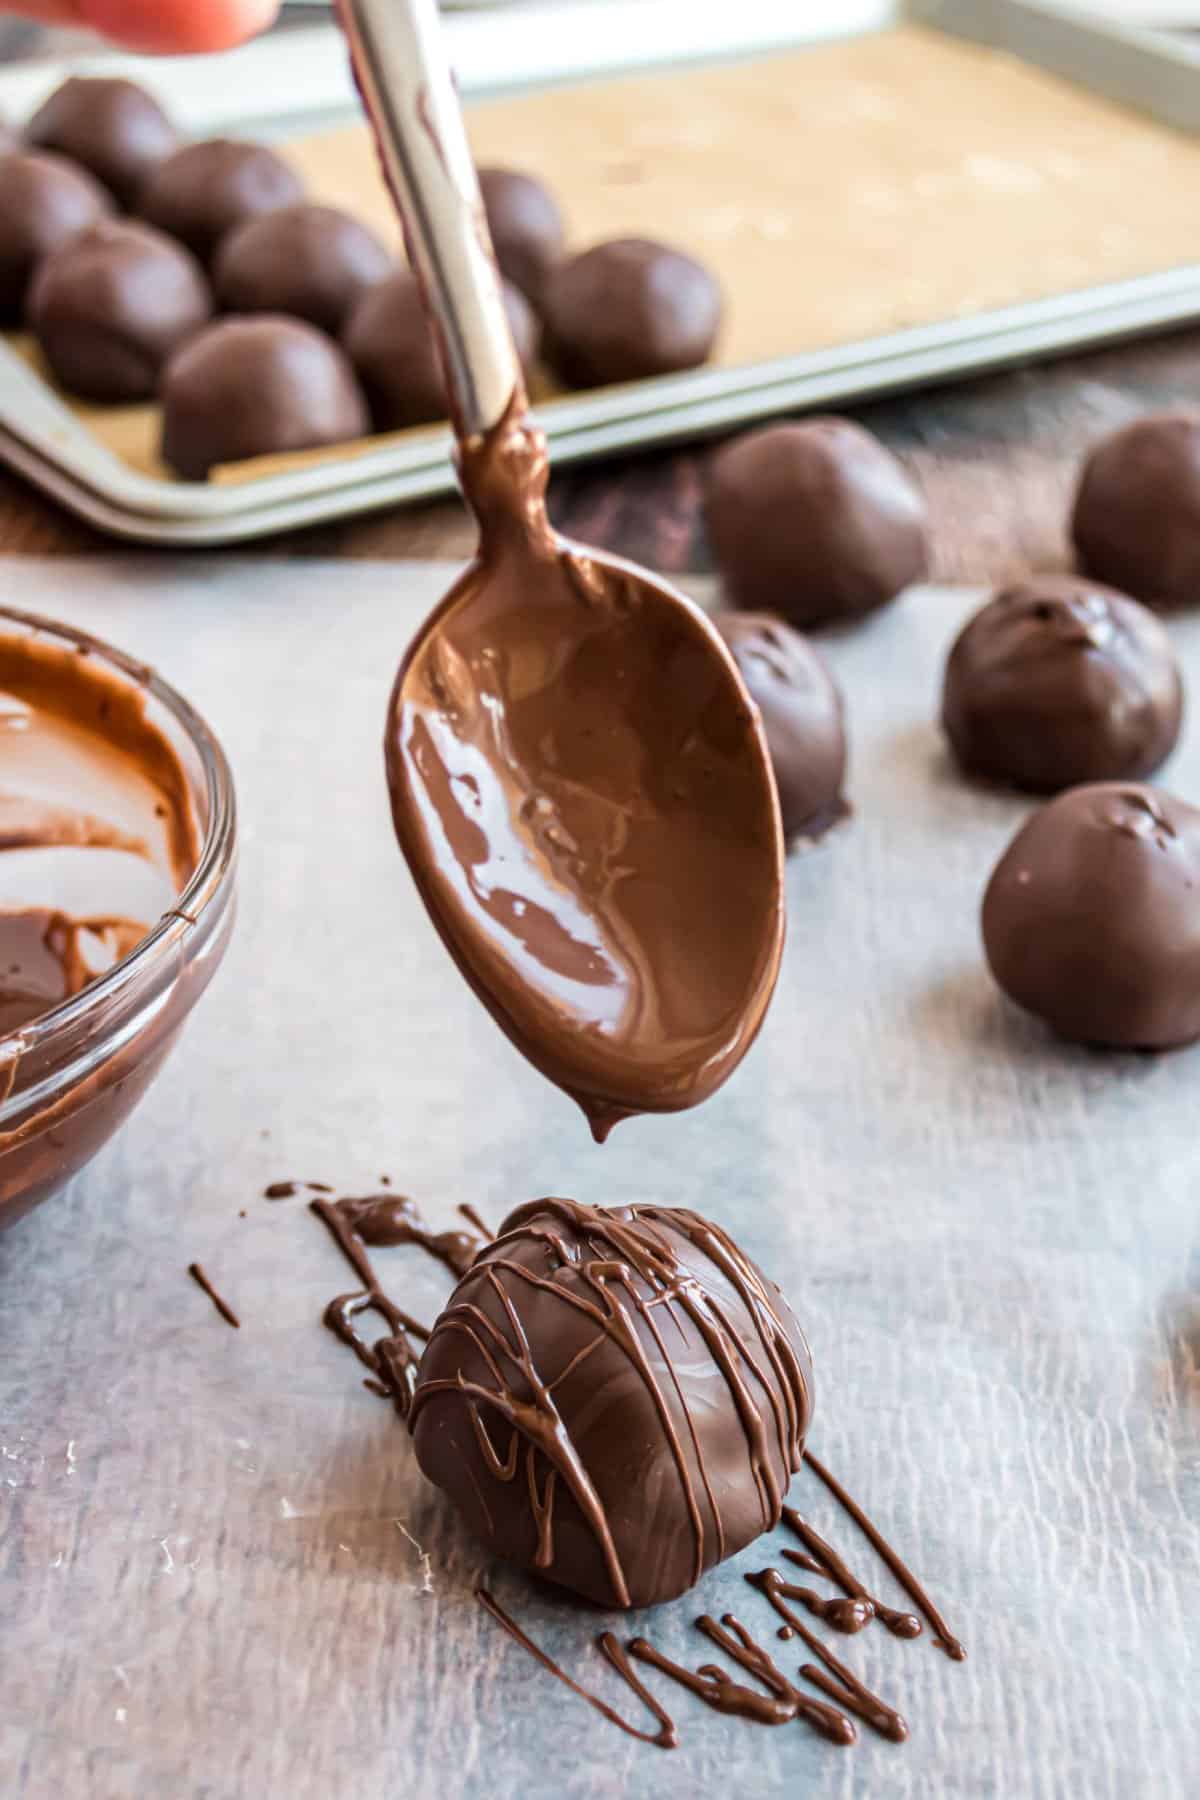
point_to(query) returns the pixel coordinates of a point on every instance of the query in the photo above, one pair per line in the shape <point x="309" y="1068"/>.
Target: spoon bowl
<point x="578" y="777"/>
<point x="583" y="793"/>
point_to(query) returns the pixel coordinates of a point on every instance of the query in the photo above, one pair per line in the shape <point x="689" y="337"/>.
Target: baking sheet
<point x="991" y="1238"/>
<point x="847" y="194"/>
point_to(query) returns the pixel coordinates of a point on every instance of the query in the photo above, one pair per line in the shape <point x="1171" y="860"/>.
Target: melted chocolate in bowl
<point x="116" y="835"/>
<point x="584" y="798"/>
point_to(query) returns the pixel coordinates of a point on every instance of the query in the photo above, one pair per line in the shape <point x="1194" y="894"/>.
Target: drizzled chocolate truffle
<point x="1059" y="680"/>
<point x="313" y="262"/>
<point x="816" y="521"/>
<point x="1091" y="920"/>
<point x="802" y="715"/>
<point x="525" y="224"/>
<point x="257" y="387"/>
<point x="616" y="1398"/>
<point x="45" y="201"/>
<point x="389" y="341"/>
<point x="1136" y="520"/>
<point x="114" y="128"/>
<point x="628" y="310"/>
<point x="111" y="306"/>
<point x="207" y="189"/>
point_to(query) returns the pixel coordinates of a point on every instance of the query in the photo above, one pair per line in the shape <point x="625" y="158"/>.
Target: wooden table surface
<point x="997" y="458"/>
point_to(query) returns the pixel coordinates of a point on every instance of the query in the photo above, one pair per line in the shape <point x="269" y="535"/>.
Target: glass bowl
<point x="70" y="1077"/>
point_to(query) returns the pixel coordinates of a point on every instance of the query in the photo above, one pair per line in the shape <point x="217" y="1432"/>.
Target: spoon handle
<point x="400" y="65"/>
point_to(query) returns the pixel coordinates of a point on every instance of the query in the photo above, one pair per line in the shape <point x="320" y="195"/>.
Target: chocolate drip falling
<point x="695" y="1358"/>
<point x="943" y="1637"/>
<point x="665" y="1738"/>
<point x="857" y="1608"/>
<point x="223" y="1307"/>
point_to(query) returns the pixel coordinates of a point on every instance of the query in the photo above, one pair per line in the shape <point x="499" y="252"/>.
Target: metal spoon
<point x="578" y="778"/>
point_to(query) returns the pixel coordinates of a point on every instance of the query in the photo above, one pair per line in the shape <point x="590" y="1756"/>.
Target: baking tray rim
<point x="40" y="435"/>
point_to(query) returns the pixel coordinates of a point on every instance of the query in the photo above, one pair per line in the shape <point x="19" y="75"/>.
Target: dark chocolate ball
<point x="1091" y="920"/>
<point x="626" y="311"/>
<point x="114" y="128"/>
<point x="1136" y="521"/>
<point x="615" y="1398"/>
<point x="525" y="224"/>
<point x="206" y="189"/>
<point x="389" y="341"/>
<point x="257" y="387"/>
<point x="45" y="201"/>
<point x="111" y="306"/>
<point x="802" y="715"/>
<point x="816" y="521"/>
<point x="1059" y="680"/>
<point x="313" y="262"/>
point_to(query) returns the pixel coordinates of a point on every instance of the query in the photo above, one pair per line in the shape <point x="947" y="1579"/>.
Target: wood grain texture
<point x="209" y="1584"/>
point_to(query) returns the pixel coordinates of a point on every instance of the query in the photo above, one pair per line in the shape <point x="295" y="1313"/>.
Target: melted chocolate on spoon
<point x="581" y="788"/>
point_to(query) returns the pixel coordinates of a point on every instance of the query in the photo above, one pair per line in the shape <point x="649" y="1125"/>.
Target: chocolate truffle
<point x="45" y="201"/>
<point x="313" y="262"/>
<point x="615" y="1398"/>
<point x="111" y="306"/>
<point x="389" y="341"/>
<point x="525" y="224"/>
<point x="626" y="311"/>
<point x="257" y="387"/>
<point x="207" y="189"/>
<point x="802" y="715"/>
<point x="817" y="521"/>
<point x="1136" y="521"/>
<point x="1091" y="920"/>
<point x="1059" y="680"/>
<point x="114" y="128"/>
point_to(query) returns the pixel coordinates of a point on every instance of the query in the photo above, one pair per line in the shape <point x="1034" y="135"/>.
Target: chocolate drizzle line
<point x="858" y="1607"/>
<point x="943" y="1636"/>
<point x="287" y="1190"/>
<point x="223" y="1307"/>
<point x="383" y="1220"/>
<point x="666" y="1737"/>
<point x="846" y="1688"/>
<point x="615" y="1258"/>
<point x="783" y="1702"/>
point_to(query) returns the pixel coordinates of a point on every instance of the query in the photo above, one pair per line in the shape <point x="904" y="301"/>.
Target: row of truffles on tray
<point x="1059" y="685"/>
<point x="121" y="246"/>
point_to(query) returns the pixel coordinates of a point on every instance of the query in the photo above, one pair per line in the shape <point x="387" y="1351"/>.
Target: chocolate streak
<point x="223" y="1307"/>
<point x="582" y="793"/>
<point x="780" y="1706"/>
<point x="858" y="1607"/>
<point x="943" y="1636"/>
<point x="845" y="1687"/>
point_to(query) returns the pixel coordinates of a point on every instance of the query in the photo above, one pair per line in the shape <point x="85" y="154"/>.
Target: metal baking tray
<point x="40" y="436"/>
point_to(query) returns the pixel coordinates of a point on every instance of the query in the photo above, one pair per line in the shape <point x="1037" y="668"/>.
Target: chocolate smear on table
<point x="223" y="1307"/>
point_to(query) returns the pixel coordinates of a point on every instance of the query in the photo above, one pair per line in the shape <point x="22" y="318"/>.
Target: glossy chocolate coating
<point x="114" y="128"/>
<point x="45" y="201"/>
<point x="526" y="227"/>
<point x="1136" y="520"/>
<point x="110" y="307"/>
<point x="205" y="190"/>
<point x="312" y="262"/>
<point x="614" y="1398"/>
<point x="1058" y="680"/>
<point x="815" y="521"/>
<point x="389" y="341"/>
<point x="802" y="715"/>
<point x="584" y="797"/>
<point x="1091" y="920"/>
<point x="257" y="387"/>
<point x="626" y="311"/>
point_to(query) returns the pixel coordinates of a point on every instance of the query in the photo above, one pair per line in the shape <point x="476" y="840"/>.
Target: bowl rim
<point x="213" y="867"/>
